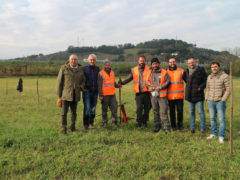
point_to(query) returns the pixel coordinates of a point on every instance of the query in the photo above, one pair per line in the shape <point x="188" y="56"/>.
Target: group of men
<point x="154" y="88"/>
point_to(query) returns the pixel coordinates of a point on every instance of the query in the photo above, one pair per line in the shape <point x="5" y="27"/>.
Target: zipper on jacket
<point x="214" y="88"/>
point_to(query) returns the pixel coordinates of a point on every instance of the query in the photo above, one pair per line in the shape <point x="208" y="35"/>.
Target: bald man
<point x="70" y="82"/>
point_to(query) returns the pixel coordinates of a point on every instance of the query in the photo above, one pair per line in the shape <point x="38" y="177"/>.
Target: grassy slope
<point x="32" y="147"/>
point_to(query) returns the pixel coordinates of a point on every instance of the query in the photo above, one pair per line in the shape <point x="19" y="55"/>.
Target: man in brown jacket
<point x="217" y="92"/>
<point x="70" y="82"/>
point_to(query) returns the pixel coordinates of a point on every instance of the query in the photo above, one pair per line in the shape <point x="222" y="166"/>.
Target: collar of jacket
<point x="70" y="68"/>
<point x="218" y="74"/>
<point x="91" y="67"/>
<point x="140" y="67"/>
<point x="156" y="71"/>
<point x="172" y="69"/>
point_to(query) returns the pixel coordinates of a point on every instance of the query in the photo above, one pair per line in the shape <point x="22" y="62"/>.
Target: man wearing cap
<point x="158" y="82"/>
<point x="70" y="82"/>
<point x="175" y="93"/>
<point x="90" y="93"/>
<point x="106" y="89"/>
<point x="139" y="76"/>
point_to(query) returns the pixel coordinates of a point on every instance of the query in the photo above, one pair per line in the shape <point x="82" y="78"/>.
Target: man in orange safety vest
<point x="175" y="93"/>
<point x="139" y="76"/>
<point x="106" y="90"/>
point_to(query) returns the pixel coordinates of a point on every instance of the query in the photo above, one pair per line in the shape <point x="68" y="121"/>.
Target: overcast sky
<point x="45" y="26"/>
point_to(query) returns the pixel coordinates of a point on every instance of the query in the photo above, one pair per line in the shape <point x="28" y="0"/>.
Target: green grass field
<point x="32" y="146"/>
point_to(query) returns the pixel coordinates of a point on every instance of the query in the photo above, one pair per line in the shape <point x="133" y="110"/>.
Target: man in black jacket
<point x="195" y="78"/>
<point x="90" y="93"/>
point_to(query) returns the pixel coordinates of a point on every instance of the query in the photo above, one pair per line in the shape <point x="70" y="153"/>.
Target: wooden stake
<point x="231" y="113"/>
<point x="120" y="101"/>
<point x="37" y="92"/>
<point x="6" y="86"/>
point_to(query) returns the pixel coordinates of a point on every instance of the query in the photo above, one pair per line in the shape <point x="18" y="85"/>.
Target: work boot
<point x="114" y="124"/>
<point x="166" y="131"/>
<point x="157" y="129"/>
<point x="64" y="130"/>
<point x="138" y="125"/>
<point x="104" y="124"/>
<point x="73" y="129"/>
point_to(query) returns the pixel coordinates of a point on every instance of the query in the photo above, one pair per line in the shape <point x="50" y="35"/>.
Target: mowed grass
<point x="32" y="146"/>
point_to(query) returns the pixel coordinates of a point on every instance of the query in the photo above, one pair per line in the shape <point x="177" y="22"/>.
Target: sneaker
<point x="211" y="136"/>
<point x="221" y="140"/>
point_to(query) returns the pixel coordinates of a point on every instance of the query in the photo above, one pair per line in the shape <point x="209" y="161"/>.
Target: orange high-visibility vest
<point x="162" y="92"/>
<point x="135" y="73"/>
<point x="176" y="88"/>
<point x="108" y="83"/>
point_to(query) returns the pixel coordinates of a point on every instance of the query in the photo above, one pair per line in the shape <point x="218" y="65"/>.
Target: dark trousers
<point x="73" y="107"/>
<point x="143" y="102"/>
<point x="173" y="104"/>
<point x="111" y="102"/>
<point x="89" y="111"/>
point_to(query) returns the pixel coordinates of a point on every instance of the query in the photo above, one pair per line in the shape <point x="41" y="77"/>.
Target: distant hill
<point x="161" y="48"/>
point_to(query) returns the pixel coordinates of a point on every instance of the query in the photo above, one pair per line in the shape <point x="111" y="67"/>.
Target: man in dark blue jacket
<point x="90" y="93"/>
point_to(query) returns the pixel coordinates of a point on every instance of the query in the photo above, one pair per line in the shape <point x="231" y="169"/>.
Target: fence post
<point x="7" y="86"/>
<point x="231" y="110"/>
<point x="37" y="92"/>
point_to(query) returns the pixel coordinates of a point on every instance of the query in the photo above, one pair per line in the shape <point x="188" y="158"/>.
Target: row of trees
<point x="162" y="48"/>
<point x="119" y="49"/>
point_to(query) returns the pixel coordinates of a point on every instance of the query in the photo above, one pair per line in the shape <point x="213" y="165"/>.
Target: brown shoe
<point x="64" y="131"/>
<point x="73" y="129"/>
<point x="192" y="131"/>
<point x="86" y="127"/>
<point x="203" y="133"/>
<point x="91" y="126"/>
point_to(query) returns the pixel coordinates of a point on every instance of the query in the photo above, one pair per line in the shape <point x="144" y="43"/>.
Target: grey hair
<point x="107" y="62"/>
<point x="92" y="55"/>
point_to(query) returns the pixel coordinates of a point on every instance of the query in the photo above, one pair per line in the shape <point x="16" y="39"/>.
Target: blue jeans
<point x="217" y="109"/>
<point x="90" y="102"/>
<point x="201" y="114"/>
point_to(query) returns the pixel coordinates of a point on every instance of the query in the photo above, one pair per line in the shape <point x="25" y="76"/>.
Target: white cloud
<point x="42" y="26"/>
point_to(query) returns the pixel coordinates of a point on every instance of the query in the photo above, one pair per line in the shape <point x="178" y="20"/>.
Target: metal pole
<point x="231" y="111"/>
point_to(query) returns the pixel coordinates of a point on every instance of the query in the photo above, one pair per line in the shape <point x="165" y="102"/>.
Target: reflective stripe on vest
<point x="176" y="88"/>
<point x="163" y="92"/>
<point x="135" y="74"/>
<point x="108" y="83"/>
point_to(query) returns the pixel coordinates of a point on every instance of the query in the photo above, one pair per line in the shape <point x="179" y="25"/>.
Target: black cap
<point x="155" y="60"/>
